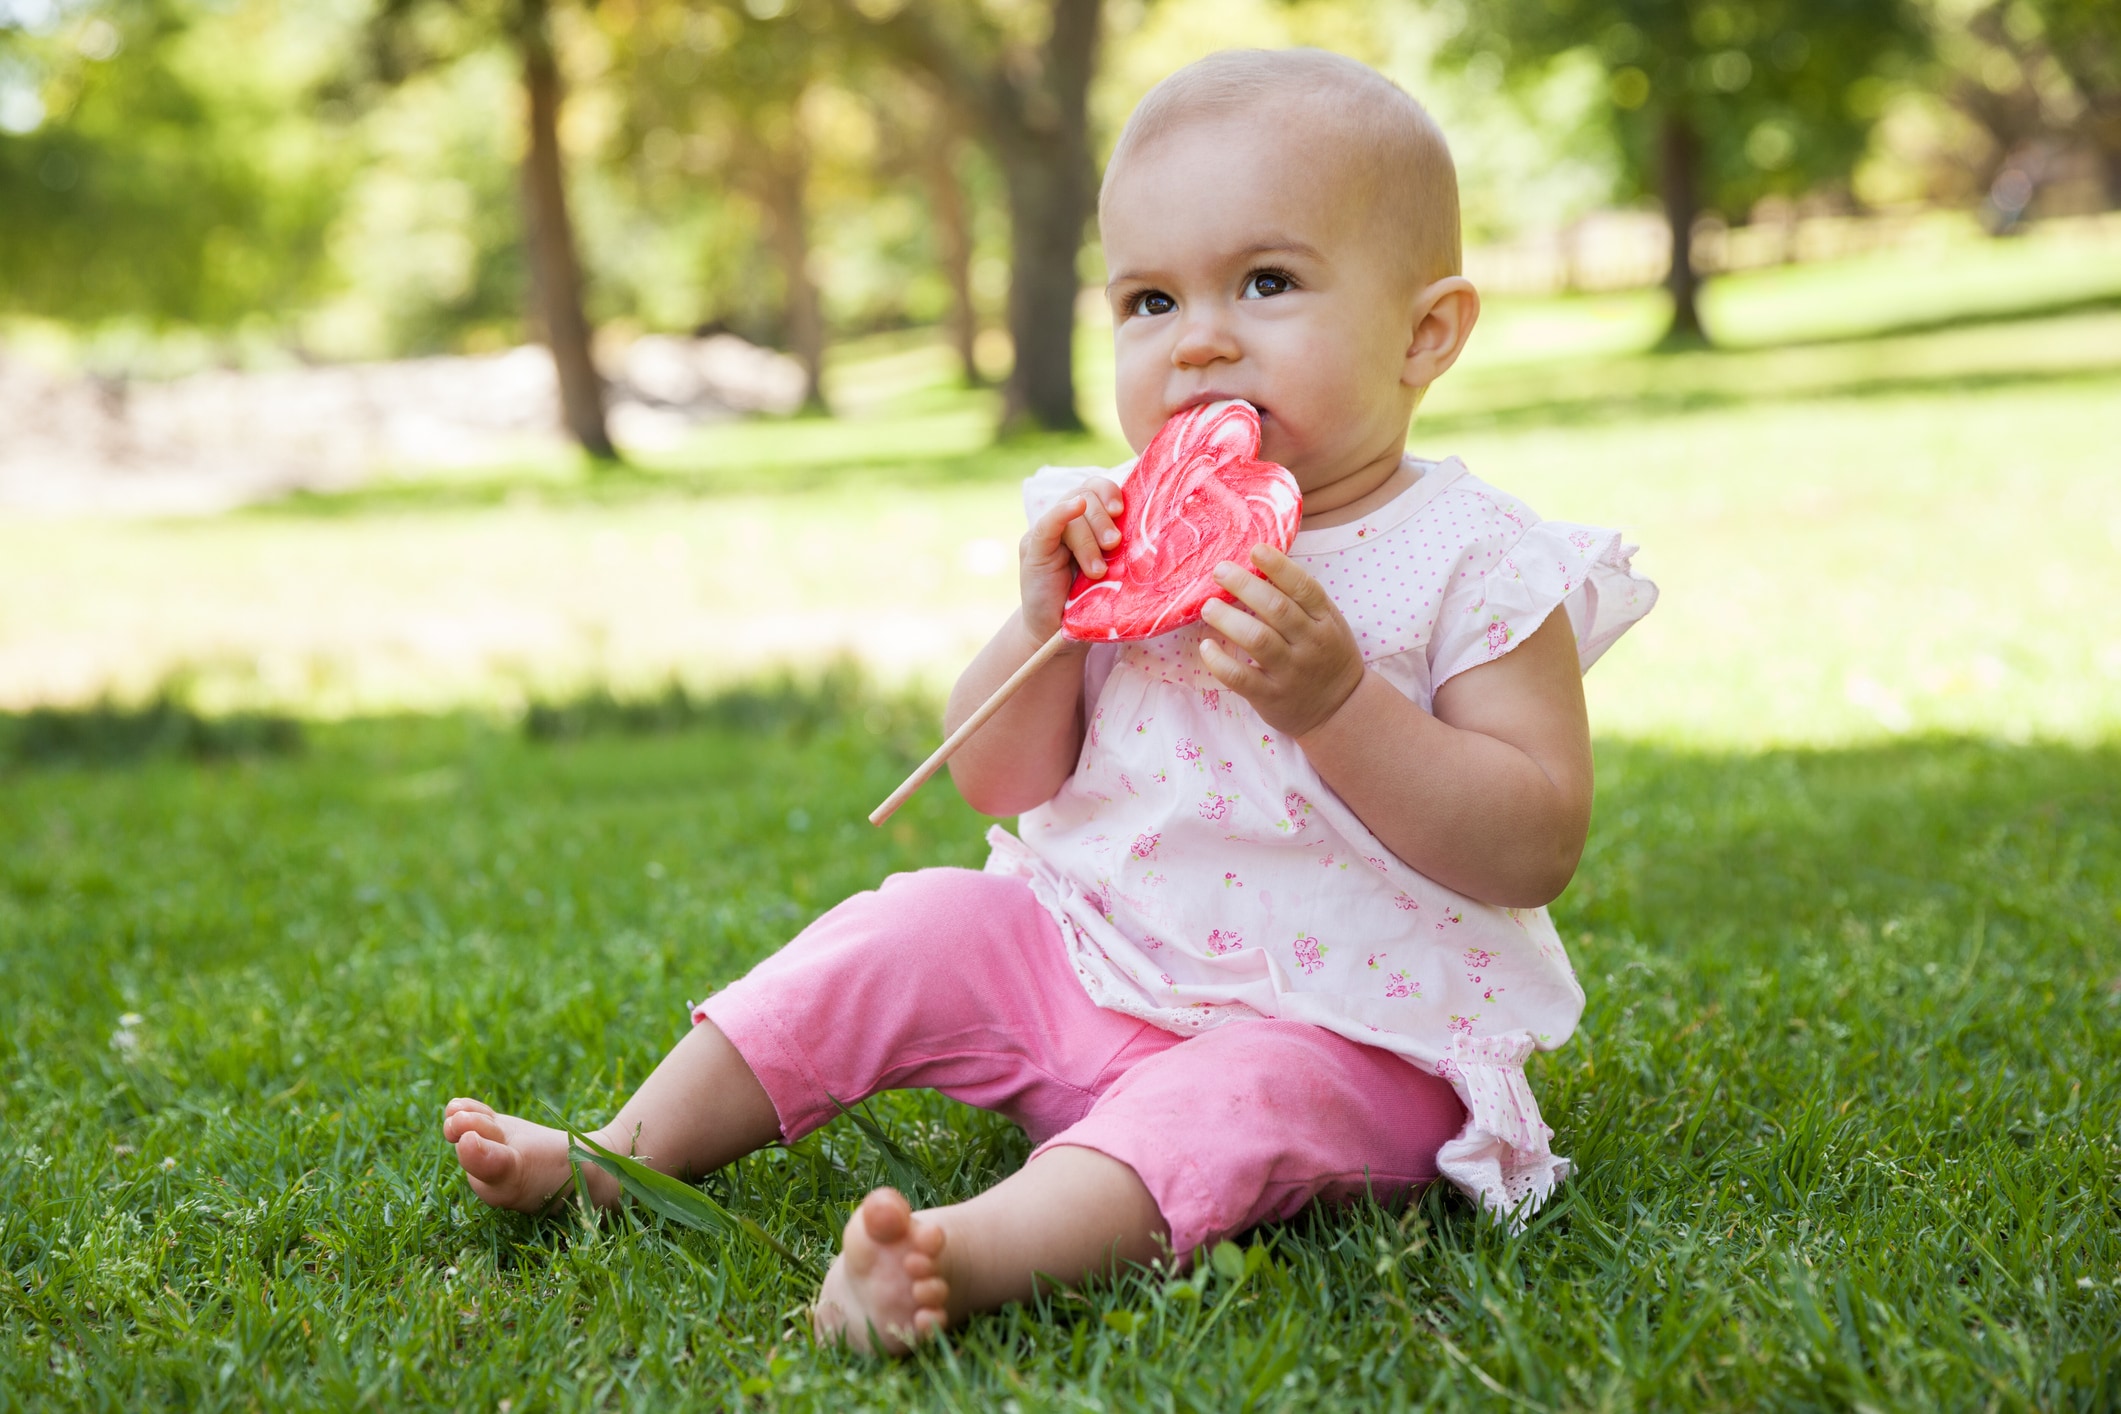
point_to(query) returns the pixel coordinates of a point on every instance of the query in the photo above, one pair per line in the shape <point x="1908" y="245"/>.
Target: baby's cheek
<point x="1138" y="392"/>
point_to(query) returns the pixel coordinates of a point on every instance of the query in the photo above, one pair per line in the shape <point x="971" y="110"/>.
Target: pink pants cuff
<point x="958" y="981"/>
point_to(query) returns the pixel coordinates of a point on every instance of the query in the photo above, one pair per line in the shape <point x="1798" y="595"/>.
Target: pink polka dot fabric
<point x="1202" y="873"/>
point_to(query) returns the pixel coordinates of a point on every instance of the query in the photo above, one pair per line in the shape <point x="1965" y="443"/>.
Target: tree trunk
<point x="1049" y="173"/>
<point x="953" y="234"/>
<point x="556" y="272"/>
<point x="1678" y="168"/>
<point x="1035" y="116"/>
<point x="2102" y="123"/>
<point x="783" y="183"/>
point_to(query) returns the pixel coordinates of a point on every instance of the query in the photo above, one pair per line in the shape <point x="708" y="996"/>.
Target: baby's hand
<point x="1296" y="661"/>
<point x="1077" y="530"/>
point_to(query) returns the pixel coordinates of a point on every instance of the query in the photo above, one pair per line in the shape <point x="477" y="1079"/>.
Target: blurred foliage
<point x="157" y="161"/>
<point x="840" y="696"/>
<point x="1781" y="93"/>
<point x="214" y="164"/>
<point x="2032" y="79"/>
<point x="428" y="248"/>
<point x="743" y="93"/>
<point x="109" y="733"/>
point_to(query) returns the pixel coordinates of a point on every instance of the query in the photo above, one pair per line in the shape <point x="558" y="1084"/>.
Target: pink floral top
<point x="1201" y="872"/>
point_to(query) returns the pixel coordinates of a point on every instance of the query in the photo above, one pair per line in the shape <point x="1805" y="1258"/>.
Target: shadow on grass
<point x="801" y="706"/>
<point x="1636" y="404"/>
<point x="165" y="725"/>
<point x="2103" y="303"/>
<point x="1004" y="460"/>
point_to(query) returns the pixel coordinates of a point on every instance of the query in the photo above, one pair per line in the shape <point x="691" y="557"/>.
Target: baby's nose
<point x="1204" y="339"/>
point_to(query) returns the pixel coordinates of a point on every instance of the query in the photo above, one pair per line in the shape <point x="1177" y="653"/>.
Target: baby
<point x="1273" y="925"/>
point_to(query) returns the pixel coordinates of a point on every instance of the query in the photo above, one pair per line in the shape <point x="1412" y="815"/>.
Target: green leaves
<point x="670" y="1198"/>
<point x="907" y="1176"/>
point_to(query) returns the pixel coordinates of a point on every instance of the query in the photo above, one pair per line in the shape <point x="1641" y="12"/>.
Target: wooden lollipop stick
<point x="970" y="725"/>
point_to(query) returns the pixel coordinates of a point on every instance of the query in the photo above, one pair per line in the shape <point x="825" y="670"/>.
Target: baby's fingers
<point x="1294" y="581"/>
<point x="1099" y="530"/>
<point x="1082" y="542"/>
<point x="1051" y="527"/>
<point x="1240" y="676"/>
<point x="1050" y="543"/>
<point x="1083" y="523"/>
<point x="1105" y="494"/>
<point x="1103" y="528"/>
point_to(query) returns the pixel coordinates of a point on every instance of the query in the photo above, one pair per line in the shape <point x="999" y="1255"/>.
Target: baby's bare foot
<point x="513" y="1163"/>
<point x="886" y="1290"/>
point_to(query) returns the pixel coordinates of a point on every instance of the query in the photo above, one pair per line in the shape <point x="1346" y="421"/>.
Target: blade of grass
<point x="906" y="1174"/>
<point x="672" y="1198"/>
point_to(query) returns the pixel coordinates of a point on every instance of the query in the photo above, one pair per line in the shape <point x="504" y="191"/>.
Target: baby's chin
<point x="1276" y="445"/>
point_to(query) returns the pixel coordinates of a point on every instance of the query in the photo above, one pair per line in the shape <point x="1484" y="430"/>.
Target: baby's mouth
<point x="1200" y="400"/>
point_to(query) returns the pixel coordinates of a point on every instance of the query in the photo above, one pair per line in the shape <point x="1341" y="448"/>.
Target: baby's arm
<point x="1021" y="757"/>
<point x="1490" y="796"/>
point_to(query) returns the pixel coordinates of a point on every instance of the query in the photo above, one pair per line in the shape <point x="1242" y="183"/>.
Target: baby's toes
<point x="464" y="1103"/>
<point x="486" y="1160"/>
<point x="886" y="1215"/>
<point x="480" y="1122"/>
<point x="856" y="1250"/>
<point x="930" y="1294"/>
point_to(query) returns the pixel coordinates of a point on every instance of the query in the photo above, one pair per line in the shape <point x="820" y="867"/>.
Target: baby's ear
<point x="1443" y="316"/>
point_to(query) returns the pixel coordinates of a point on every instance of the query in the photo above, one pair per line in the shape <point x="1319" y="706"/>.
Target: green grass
<point x="1844" y="1100"/>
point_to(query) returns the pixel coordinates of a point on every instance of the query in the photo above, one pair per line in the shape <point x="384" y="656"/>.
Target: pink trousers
<point x="957" y="981"/>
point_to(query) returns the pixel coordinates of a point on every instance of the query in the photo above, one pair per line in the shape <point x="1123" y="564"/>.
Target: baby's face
<point x="1243" y="267"/>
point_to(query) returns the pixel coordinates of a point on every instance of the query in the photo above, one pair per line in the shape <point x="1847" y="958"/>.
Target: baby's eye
<point x="1151" y="302"/>
<point x="1265" y="284"/>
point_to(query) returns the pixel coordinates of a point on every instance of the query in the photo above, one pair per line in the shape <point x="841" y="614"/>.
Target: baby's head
<point x="1282" y="226"/>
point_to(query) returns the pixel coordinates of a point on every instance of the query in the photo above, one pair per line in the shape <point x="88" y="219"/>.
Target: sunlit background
<point x="280" y="427"/>
<point x="451" y="450"/>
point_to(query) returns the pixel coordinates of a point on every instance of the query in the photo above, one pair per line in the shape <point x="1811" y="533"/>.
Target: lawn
<point x="1845" y="1102"/>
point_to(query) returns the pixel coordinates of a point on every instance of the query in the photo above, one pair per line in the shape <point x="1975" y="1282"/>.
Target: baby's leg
<point x="699" y="1109"/>
<point x="1068" y="1215"/>
<point x="944" y="978"/>
<point x="1193" y="1143"/>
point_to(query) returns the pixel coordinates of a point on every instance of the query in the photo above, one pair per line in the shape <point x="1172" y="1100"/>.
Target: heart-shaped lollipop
<point x="1198" y="496"/>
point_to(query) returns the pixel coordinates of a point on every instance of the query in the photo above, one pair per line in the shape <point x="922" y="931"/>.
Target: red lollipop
<point x="1200" y="495"/>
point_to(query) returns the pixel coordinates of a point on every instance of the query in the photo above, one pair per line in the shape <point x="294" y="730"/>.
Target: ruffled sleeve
<point x="1510" y="580"/>
<point x="1502" y="1159"/>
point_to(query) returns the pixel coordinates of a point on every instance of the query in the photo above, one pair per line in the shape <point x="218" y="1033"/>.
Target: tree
<point x="410" y="34"/>
<point x="2084" y="36"/>
<point x="1021" y="80"/>
<point x="741" y="88"/>
<point x="138" y="183"/>
<point x="1714" y="104"/>
<point x="926" y="142"/>
<point x="939" y="160"/>
<point x="2075" y="41"/>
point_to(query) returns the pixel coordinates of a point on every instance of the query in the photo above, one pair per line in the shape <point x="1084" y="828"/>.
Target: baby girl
<point x="1272" y="928"/>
